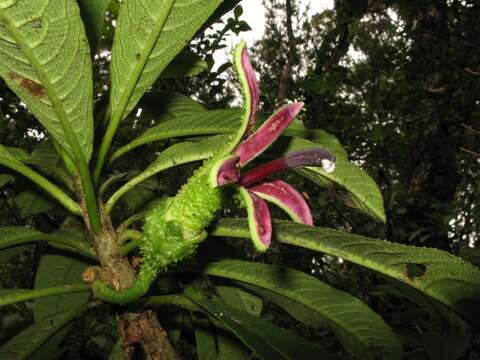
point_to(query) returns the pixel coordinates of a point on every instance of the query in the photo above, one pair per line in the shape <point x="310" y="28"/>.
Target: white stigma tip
<point x="328" y="165"/>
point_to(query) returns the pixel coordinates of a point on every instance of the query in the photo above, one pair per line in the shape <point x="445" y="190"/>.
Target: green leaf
<point x="144" y="192"/>
<point x="93" y="14"/>
<point x="7" y="254"/>
<point x="31" y="203"/>
<point x="148" y="37"/>
<point x="165" y="105"/>
<point x="216" y="343"/>
<point x="180" y="153"/>
<point x="185" y="64"/>
<point x="53" y="271"/>
<point x="45" y="60"/>
<point x="33" y="337"/>
<point x="360" y="329"/>
<point x="443" y="276"/>
<point x="6" y="179"/>
<point x="11" y="296"/>
<point x="265" y="339"/>
<point x="196" y="123"/>
<point x="363" y="190"/>
<point x="12" y="236"/>
<point x="240" y="299"/>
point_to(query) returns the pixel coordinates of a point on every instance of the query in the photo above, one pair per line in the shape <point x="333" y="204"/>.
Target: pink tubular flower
<point x="252" y="185"/>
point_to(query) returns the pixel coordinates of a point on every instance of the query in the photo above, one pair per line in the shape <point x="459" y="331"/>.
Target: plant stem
<point x="45" y="184"/>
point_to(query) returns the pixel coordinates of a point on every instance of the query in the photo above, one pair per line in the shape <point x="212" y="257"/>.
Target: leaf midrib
<point x="141" y="63"/>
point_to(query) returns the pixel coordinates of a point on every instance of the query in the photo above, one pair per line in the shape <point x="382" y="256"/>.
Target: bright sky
<point x="254" y="15"/>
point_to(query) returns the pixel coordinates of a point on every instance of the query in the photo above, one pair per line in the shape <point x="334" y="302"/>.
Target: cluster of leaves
<point x="218" y="304"/>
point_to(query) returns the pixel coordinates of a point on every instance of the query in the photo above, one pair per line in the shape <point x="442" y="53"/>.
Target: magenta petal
<point x="261" y="139"/>
<point x="225" y="171"/>
<point x="259" y="220"/>
<point x="253" y="88"/>
<point x="287" y="198"/>
<point x="293" y="159"/>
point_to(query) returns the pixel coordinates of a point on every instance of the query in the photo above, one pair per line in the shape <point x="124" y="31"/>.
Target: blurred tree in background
<point x="398" y="82"/>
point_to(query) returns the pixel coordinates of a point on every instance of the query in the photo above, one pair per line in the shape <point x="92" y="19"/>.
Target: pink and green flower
<point x="254" y="186"/>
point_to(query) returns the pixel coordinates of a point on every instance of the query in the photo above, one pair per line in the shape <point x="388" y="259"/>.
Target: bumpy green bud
<point x="175" y="226"/>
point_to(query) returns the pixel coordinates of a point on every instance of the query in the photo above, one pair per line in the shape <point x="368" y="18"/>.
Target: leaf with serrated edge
<point x="360" y="329"/>
<point x="45" y="60"/>
<point x="443" y="276"/>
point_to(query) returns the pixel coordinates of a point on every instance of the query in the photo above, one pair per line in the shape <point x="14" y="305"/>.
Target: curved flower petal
<point x="225" y="171"/>
<point x="261" y="139"/>
<point x="250" y="91"/>
<point x="259" y="219"/>
<point x="286" y="197"/>
<point x="293" y="159"/>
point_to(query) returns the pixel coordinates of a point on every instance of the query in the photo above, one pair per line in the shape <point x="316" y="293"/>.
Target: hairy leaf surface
<point x="445" y="277"/>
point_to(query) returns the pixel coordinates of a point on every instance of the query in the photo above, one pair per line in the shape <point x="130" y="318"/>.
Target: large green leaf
<point x="197" y="123"/>
<point x="12" y="236"/>
<point x="44" y="58"/>
<point x="360" y="329"/>
<point x="363" y="191"/>
<point x="175" y="155"/>
<point x="32" y="338"/>
<point x="265" y="339"/>
<point x="185" y="64"/>
<point x="54" y="271"/>
<point x="32" y="203"/>
<point x="93" y="15"/>
<point x="148" y="36"/>
<point x="443" y="276"/>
